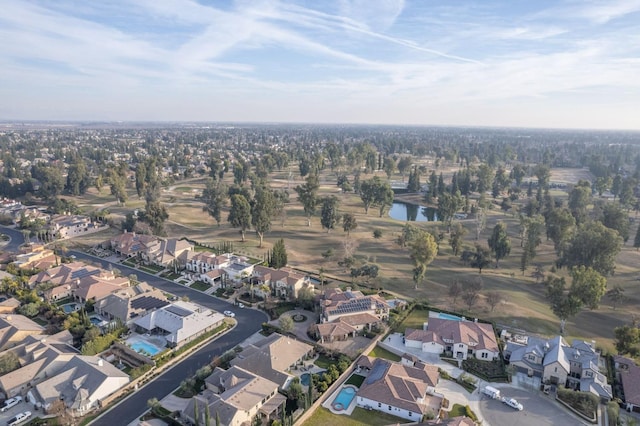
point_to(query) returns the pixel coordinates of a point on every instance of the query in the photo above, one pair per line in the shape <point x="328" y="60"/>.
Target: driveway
<point x="300" y="328"/>
<point x="539" y="409"/>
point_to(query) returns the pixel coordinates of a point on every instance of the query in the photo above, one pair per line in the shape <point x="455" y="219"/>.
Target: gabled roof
<point x="630" y="382"/>
<point x="399" y="385"/>
<point x="81" y="377"/>
<point x="272" y="356"/>
<point x="479" y="335"/>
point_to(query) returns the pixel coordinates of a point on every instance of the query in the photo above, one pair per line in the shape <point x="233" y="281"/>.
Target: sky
<point x="512" y="63"/>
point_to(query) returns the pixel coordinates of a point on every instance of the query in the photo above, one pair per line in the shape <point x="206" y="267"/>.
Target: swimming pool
<point x="145" y="347"/>
<point x="442" y="315"/>
<point x="70" y="307"/>
<point x="344" y="398"/>
<point x="305" y="379"/>
<point x="95" y="320"/>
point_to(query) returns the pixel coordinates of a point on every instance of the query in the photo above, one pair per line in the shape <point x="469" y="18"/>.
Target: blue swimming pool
<point x="344" y="398"/>
<point x="70" y="307"/>
<point x="95" y="320"/>
<point x="305" y="379"/>
<point x="148" y="348"/>
<point x="442" y="315"/>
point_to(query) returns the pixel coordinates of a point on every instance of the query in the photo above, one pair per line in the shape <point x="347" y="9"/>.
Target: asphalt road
<point x="539" y="409"/>
<point x="249" y="322"/>
<point x="16" y="238"/>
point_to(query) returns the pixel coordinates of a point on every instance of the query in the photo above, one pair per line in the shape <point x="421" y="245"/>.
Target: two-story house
<point x="461" y="337"/>
<point x="283" y="283"/>
<point x="554" y="361"/>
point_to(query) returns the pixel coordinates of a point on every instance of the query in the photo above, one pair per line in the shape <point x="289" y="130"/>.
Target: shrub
<point x="583" y="402"/>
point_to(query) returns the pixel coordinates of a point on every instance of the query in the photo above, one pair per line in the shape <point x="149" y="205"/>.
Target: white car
<point x="11" y="402"/>
<point x="19" y="418"/>
<point x="241" y="305"/>
<point x="229" y="314"/>
<point x="513" y="403"/>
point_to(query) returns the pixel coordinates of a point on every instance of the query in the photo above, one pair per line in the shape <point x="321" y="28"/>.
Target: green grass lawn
<point x="324" y="362"/>
<point x="415" y="319"/>
<point x="379" y="352"/>
<point x="457" y="410"/>
<point x="200" y="285"/>
<point x="359" y="417"/>
<point x="355" y="380"/>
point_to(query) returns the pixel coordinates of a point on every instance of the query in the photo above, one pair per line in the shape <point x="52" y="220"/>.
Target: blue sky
<point x="521" y="63"/>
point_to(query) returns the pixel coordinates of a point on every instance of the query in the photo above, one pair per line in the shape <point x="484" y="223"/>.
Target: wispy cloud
<point x="339" y="56"/>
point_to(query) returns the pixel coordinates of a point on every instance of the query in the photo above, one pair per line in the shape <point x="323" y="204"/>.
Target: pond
<point x="412" y="212"/>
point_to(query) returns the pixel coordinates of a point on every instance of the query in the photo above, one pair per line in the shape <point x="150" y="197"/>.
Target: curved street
<point x="249" y="322"/>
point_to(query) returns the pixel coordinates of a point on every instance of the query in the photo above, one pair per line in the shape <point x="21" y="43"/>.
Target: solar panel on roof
<point x="178" y="310"/>
<point x="147" y="302"/>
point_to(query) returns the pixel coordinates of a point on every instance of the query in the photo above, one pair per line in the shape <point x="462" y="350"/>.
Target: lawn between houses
<point x="525" y="305"/>
<point x="359" y="417"/>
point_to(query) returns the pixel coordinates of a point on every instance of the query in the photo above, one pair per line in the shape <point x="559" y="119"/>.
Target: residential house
<point x="237" y="397"/>
<point x="15" y="328"/>
<point x="337" y="304"/>
<point x="130" y="244"/>
<point x="461" y="337"/>
<point x="79" y="386"/>
<point x="69" y="226"/>
<point x="129" y="303"/>
<point x="166" y="252"/>
<point x="273" y="358"/>
<point x="179" y="322"/>
<point x="397" y="389"/>
<point x="9" y="306"/>
<point x="237" y="270"/>
<point x="66" y="273"/>
<point x="333" y="331"/>
<point x="200" y="262"/>
<point x="39" y="357"/>
<point x="628" y="373"/>
<point x="283" y="283"/>
<point x="36" y="256"/>
<point x="575" y="366"/>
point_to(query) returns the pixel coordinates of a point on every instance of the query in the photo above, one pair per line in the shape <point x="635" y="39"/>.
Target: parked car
<point x="11" y="402"/>
<point x="19" y="418"/>
<point x="241" y="305"/>
<point x="229" y="314"/>
<point x="513" y="403"/>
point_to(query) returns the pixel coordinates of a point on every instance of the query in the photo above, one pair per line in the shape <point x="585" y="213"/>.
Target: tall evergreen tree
<point x="499" y="242"/>
<point x="278" y="255"/>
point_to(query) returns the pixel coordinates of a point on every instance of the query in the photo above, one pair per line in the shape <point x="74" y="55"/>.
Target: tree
<point x="579" y="199"/>
<point x="499" y="242"/>
<point x="308" y="196"/>
<point x="494" y="298"/>
<point x="263" y="208"/>
<point x="560" y="228"/>
<point x="78" y="179"/>
<point x="329" y="213"/>
<point x="286" y="323"/>
<point x="485" y="178"/>
<point x="588" y="285"/>
<point x="471" y="292"/>
<point x="349" y="222"/>
<point x="454" y="291"/>
<point x="278" y="258"/>
<point x="376" y="192"/>
<point x="627" y="336"/>
<point x="414" y="184"/>
<point x="456" y="238"/>
<point x="404" y="163"/>
<point x="240" y="213"/>
<point x="481" y="258"/>
<point x="389" y="166"/>
<point x="117" y="185"/>
<point x="214" y="197"/>
<point x="448" y="205"/>
<point x="155" y="214"/>
<point x="616" y="294"/>
<point x="593" y="245"/>
<point x="564" y="305"/>
<point x="423" y="249"/>
<point x="9" y="362"/>
<point x="614" y="217"/>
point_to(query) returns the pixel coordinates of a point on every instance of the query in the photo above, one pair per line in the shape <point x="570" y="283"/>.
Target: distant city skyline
<point x="544" y="64"/>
